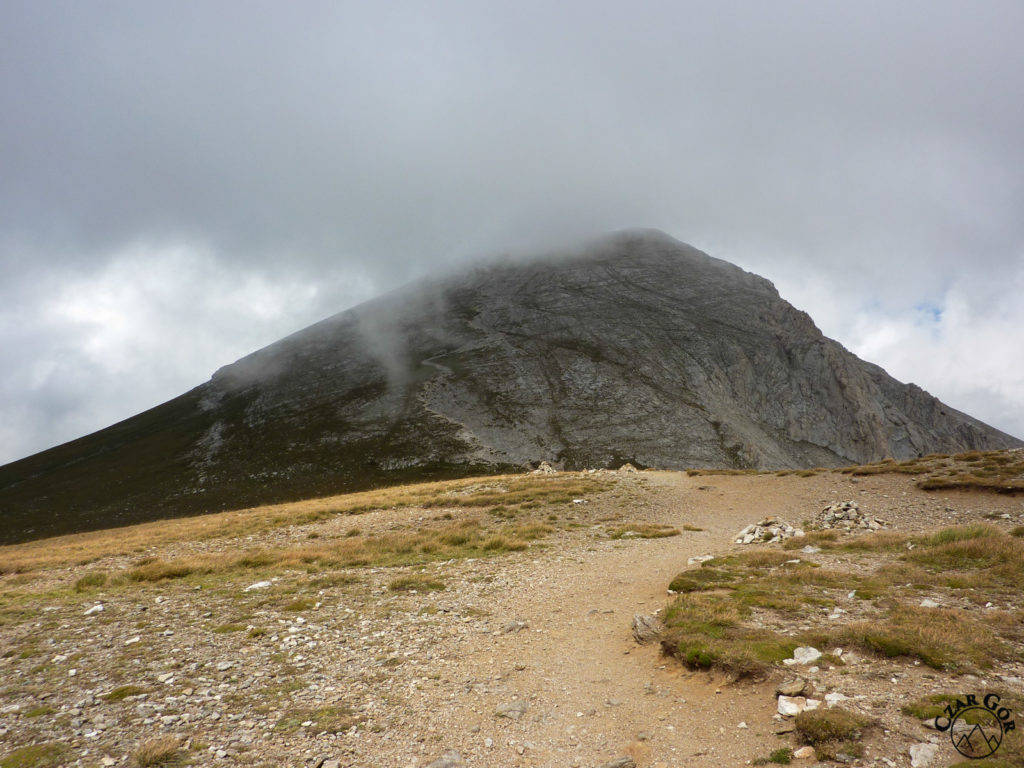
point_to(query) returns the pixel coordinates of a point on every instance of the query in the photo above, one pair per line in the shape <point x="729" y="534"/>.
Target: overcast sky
<point x="184" y="182"/>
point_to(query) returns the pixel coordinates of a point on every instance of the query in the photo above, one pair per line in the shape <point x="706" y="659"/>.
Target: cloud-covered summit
<point x="228" y="174"/>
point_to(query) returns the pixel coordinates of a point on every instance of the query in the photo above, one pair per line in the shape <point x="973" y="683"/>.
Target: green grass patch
<point x="91" y="581"/>
<point x="40" y="711"/>
<point x="299" y="604"/>
<point x="781" y="756"/>
<point x="710" y="622"/>
<point x="832" y="732"/>
<point x="49" y="755"/>
<point x="703" y="631"/>
<point x="928" y="706"/>
<point x="941" y="638"/>
<point x="415" y="584"/>
<point x="333" y="719"/>
<point x="123" y="692"/>
<point x="153" y="570"/>
<point x="226" y="628"/>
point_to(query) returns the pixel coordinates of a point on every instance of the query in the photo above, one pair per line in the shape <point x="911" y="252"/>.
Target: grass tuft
<point x="832" y="731"/>
<point x="159" y="751"/>
<point x="91" y="581"/>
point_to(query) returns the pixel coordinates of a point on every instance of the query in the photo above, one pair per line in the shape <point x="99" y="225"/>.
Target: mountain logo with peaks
<point x="976" y="724"/>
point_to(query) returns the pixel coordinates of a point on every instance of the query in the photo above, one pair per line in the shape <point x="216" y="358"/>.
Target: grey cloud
<point x="872" y="145"/>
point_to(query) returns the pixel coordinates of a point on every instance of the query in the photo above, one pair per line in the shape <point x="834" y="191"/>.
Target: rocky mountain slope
<point x="637" y="348"/>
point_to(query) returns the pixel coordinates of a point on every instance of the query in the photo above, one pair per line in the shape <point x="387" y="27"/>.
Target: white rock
<point x="791" y="706"/>
<point x="813" y="704"/>
<point x="831" y="699"/>
<point x="922" y="754"/>
<point x="805" y="753"/>
<point x="805" y="654"/>
<point x="699" y="559"/>
<point x="742" y="725"/>
<point x="132" y="640"/>
<point x="929" y="603"/>
<point x="258" y="585"/>
<point x="95" y="609"/>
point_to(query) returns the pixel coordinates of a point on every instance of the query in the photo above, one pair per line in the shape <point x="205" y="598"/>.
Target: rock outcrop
<point x="636" y="349"/>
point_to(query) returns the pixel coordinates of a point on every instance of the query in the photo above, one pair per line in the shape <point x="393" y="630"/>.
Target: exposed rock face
<point x="638" y="349"/>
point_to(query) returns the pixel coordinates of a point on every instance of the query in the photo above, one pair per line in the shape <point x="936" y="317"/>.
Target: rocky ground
<point x="522" y="659"/>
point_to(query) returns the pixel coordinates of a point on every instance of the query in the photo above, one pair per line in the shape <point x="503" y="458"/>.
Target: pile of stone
<point x="544" y="469"/>
<point x="767" y="531"/>
<point x="846" y="515"/>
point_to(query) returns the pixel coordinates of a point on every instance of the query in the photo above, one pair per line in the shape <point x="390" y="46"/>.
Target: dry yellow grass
<point x="971" y="562"/>
<point x="999" y="471"/>
<point x="84" y="548"/>
<point x="160" y="751"/>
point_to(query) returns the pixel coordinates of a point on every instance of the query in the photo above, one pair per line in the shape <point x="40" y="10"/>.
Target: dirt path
<point x="594" y="694"/>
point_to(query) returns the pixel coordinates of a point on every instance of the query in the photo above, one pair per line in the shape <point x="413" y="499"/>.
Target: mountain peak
<point x="633" y="347"/>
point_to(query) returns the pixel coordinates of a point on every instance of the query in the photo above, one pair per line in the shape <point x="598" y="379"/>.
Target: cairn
<point x="767" y="531"/>
<point x="847" y="515"/>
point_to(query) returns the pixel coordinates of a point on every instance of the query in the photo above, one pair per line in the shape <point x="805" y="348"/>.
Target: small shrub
<point x="299" y="604"/>
<point x="781" y="756"/>
<point x="822" y="726"/>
